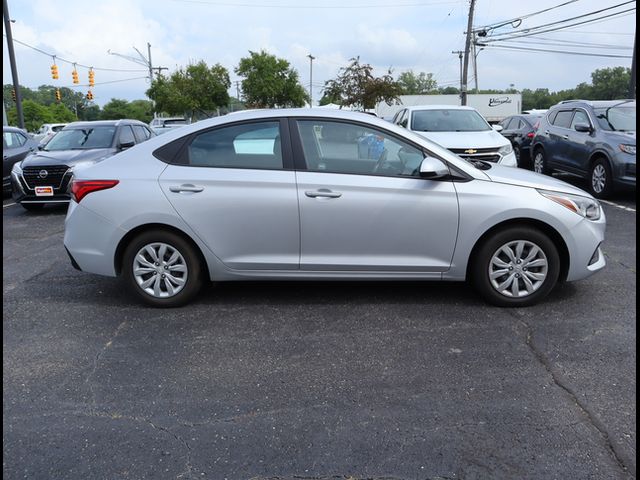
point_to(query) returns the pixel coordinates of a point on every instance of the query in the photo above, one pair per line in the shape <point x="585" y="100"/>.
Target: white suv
<point x="460" y="129"/>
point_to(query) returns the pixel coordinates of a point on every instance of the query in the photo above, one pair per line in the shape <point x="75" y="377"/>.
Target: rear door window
<point x="253" y="145"/>
<point x="563" y="119"/>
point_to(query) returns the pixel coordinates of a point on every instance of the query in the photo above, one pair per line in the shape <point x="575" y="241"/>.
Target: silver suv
<point x="595" y="140"/>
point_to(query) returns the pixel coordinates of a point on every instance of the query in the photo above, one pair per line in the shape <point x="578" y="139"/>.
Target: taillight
<point x="531" y="134"/>
<point x="82" y="188"/>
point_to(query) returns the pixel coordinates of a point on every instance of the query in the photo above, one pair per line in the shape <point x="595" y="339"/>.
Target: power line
<point x="492" y="26"/>
<point x="558" y="51"/>
<point x="520" y="35"/>
<point x="298" y="6"/>
<point x="595" y="12"/>
<point x="572" y="44"/>
<point x="102" y="83"/>
<point x="73" y="63"/>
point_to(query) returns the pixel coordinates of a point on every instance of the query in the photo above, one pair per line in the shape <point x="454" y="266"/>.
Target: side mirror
<point x="126" y="145"/>
<point x="582" y="127"/>
<point x="432" y="168"/>
<point x="497" y="128"/>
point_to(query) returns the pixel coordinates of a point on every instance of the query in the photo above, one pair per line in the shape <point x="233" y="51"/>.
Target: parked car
<point x="460" y="129"/>
<point x="165" y="129"/>
<point x="168" y="122"/>
<point x="278" y="194"/>
<point x="44" y="177"/>
<point x="16" y="145"/>
<point x="595" y="140"/>
<point x="519" y="129"/>
<point x="47" y="131"/>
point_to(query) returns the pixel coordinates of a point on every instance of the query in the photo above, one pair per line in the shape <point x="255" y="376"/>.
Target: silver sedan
<point x="314" y="194"/>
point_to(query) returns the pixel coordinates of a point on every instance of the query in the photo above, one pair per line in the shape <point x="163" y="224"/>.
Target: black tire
<point x="191" y="259"/>
<point x="32" y="207"/>
<point x="539" y="162"/>
<point x="600" y="179"/>
<point x="481" y="264"/>
<point x="520" y="160"/>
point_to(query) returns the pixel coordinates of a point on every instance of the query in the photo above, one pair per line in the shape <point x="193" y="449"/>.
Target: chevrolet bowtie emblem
<point x="470" y="151"/>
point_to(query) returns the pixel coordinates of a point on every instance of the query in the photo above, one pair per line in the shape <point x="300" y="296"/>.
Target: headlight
<point x="583" y="206"/>
<point x="16" y="168"/>
<point x="506" y="150"/>
<point x="630" y="149"/>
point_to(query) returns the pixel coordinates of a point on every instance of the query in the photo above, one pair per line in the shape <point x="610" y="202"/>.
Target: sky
<point x="418" y="35"/>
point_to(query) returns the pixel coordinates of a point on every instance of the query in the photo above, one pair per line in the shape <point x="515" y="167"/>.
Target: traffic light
<point x="13" y="94"/>
<point x="92" y="81"/>
<point x="58" y="96"/>
<point x="89" y="95"/>
<point x="54" y="72"/>
<point x="74" y="76"/>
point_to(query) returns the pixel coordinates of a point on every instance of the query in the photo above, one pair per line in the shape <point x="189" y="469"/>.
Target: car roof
<point x="7" y="128"/>
<point x="597" y="103"/>
<point x="105" y="123"/>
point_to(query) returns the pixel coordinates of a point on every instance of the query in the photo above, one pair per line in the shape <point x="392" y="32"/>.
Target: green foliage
<point x="195" y="89"/>
<point x="355" y="86"/>
<point x="412" y="84"/>
<point x="270" y="82"/>
<point x="116" y="109"/>
<point x="35" y="114"/>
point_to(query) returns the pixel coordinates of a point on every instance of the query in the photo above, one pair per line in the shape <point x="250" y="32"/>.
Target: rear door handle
<point x="322" y="193"/>
<point x="546" y="132"/>
<point x="565" y="137"/>
<point x="187" y="187"/>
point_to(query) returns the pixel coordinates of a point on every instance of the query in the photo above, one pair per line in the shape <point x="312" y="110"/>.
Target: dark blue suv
<point x="595" y="140"/>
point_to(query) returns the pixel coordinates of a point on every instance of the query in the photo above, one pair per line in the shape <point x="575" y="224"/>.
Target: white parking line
<point x="622" y="207"/>
<point x="8" y="205"/>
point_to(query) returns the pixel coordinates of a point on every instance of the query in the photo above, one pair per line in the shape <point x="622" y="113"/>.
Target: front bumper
<point x="584" y="242"/>
<point x="21" y="192"/>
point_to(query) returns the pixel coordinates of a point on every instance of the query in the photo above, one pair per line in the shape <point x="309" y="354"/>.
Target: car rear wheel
<point x="516" y="267"/>
<point x="540" y="162"/>
<point x="600" y="180"/>
<point x="162" y="268"/>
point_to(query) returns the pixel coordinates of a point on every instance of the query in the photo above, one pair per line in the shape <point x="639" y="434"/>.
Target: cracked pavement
<point x="313" y="380"/>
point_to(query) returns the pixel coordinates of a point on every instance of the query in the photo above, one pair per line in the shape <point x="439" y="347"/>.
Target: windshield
<point x="448" y="121"/>
<point x="622" y="118"/>
<point x="82" y="138"/>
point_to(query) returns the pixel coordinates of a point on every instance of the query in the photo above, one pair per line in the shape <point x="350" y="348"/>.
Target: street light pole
<point x="12" y="62"/>
<point x="311" y="59"/>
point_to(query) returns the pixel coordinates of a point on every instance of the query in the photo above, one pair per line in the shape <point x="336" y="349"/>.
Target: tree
<point x="356" y="86"/>
<point x="270" y="82"/>
<point x="116" y="109"/>
<point x="34" y="114"/>
<point x="412" y="84"/>
<point x="198" y="88"/>
<point x="610" y="83"/>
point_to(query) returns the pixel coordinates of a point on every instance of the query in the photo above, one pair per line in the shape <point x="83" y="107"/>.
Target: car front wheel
<point x="162" y="268"/>
<point x="600" y="180"/>
<point x="516" y="267"/>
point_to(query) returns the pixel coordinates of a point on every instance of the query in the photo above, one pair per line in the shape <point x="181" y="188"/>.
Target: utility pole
<point x="632" y="82"/>
<point x="150" y="64"/>
<point x="475" y="63"/>
<point x="238" y="90"/>
<point x="12" y="62"/>
<point x="459" y="53"/>
<point x="144" y="61"/>
<point x="311" y="59"/>
<point x="467" y="46"/>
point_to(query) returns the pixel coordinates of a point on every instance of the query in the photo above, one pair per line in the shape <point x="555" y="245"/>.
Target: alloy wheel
<point x="599" y="178"/>
<point x="538" y="163"/>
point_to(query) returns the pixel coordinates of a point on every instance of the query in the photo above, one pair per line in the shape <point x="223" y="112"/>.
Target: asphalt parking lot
<point x="314" y="380"/>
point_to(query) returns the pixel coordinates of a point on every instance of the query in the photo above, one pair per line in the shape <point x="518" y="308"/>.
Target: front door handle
<point x="322" y="193"/>
<point x="565" y="137"/>
<point x="187" y="187"/>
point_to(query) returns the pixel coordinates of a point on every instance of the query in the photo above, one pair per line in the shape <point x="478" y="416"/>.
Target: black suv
<point x="44" y="177"/>
<point x="16" y="145"/>
<point x="593" y="139"/>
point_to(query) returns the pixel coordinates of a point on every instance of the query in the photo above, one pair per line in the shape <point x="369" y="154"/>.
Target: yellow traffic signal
<point x="92" y="81"/>
<point x="54" y="72"/>
<point x="58" y="96"/>
<point x="89" y="95"/>
<point x="74" y="76"/>
<point x="13" y="94"/>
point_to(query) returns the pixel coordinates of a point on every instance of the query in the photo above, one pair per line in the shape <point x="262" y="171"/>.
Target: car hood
<point x="527" y="178"/>
<point x="486" y="139"/>
<point x="66" y="157"/>
<point x="628" y="137"/>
